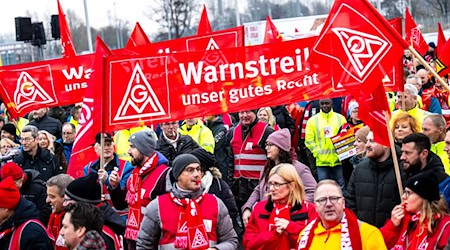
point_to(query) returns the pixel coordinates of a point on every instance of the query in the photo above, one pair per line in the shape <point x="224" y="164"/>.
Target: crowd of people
<point x="257" y="179"/>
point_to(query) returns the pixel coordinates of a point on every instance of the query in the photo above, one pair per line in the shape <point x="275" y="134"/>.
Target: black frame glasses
<point x="333" y="199"/>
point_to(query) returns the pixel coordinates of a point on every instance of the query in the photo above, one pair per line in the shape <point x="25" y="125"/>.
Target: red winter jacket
<point x="437" y="240"/>
<point x="257" y="234"/>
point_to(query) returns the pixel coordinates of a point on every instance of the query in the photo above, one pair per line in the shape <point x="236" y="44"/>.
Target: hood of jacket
<point x="24" y="211"/>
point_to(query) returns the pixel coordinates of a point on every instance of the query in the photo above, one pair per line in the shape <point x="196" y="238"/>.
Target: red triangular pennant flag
<point x="272" y="35"/>
<point x="373" y="108"/>
<point x="413" y="36"/>
<point x="204" y="26"/>
<point x="440" y="38"/>
<point x="68" y="49"/>
<point x="358" y="47"/>
<point x="443" y="59"/>
<point x="396" y="23"/>
<point x="91" y="117"/>
<point x="137" y="38"/>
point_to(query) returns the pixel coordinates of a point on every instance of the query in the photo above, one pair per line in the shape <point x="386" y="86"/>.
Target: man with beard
<point x="146" y="182"/>
<point x="43" y="121"/>
<point x="417" y="157"/>
<point x="55" y="197"/>
<point x="372" y="191"/>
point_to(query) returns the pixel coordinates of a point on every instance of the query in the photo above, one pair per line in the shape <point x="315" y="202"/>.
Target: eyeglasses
<point x="407" y="193"/>
<point x="333" y="199"/>
<point x="191" y="170"/>
<point x="28" y="139"/>
<point x="6" y="146"/>
<point x="268" y="144"/>
<point x="276" y="185"/>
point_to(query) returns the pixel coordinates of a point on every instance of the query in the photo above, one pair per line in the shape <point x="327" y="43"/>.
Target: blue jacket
<point x="116" y="162"/>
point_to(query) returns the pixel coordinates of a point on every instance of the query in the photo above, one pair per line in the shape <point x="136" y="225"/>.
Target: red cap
<point x="9" y="193"/>
<point x="11" y="169"/>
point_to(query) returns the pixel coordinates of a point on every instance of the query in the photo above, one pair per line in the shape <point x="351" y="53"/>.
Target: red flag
<point x="272" y="34"/>
<point x="413" y="35"/>
<point x="204" y="26"/>
<point x="363" y="48"/>
<point x="443" y="59"/>
<point x="91" y="115"/>
<point x="371" y="111"/>
<point x="68" y="49"/>
<point x="440" y="38"/>
<point x="396" y="23"/>
<point x="137" y="38"/>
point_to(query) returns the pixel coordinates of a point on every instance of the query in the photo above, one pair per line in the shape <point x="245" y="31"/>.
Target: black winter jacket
<point x="434" y="166"/>
<point x="185" y="144"/>
<point x="44" y="162"/>
<point x="34" y="236"/>
<point x="372" y="191"/>
<point x="221" y="149"/>
<point x="50" y="124"/>
<point x="34" y="190"/>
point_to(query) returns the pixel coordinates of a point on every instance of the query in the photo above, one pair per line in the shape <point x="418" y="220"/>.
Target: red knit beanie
<point x="11" y="169"/>
<point x="9" y="193"/>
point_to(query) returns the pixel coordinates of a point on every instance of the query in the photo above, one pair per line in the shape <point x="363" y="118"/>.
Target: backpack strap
<point x="17" y="233"/>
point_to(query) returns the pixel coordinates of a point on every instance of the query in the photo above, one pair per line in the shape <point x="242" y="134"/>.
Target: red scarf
<point x="190" y="224"/>
<point x="350" y="235"/>
<point x="54" y="226"/>
<point x="280" y="211"/>
<point x="134" y="197"/>
<point x="414" y="235"/>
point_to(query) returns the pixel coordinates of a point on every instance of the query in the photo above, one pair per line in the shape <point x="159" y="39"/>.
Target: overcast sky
<point x="100" y="12"/>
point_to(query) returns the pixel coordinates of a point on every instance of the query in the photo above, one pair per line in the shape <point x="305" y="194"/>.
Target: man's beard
<point x="137" y="161"/>
<point x="414" y="168"/>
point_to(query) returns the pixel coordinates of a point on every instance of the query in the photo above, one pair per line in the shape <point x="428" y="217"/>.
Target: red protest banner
<point x="29" y="86"/>
<point x="153" y="89"/>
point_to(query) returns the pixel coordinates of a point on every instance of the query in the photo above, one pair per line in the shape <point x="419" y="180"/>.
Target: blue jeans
<point x="334" y="173"/>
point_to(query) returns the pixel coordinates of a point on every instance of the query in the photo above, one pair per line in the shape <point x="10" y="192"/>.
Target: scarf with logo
<point x="190" y="224"/>
<point x="350" y="236"/>
<point x="54" y="226"/>
<point x="413" y="234"/>
<point x="134" y="196"/>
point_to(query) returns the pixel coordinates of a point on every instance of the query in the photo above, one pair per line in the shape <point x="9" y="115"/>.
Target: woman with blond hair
<point x="48" y="141"/>
<point x="8" y="150"/>
<point x="422" y="220"/>
<point x="275" y="223"/>
<point x="402" y="125"/>
<point x="265" y="114"/>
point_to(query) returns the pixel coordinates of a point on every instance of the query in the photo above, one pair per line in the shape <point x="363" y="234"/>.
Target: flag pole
<point x="394" y="155"/>
<point x="429" y="68"/>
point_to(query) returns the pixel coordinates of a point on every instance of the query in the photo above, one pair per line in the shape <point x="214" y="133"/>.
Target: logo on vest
<point x="361" y="50"/>
<point x="29" y="92"/>
<point x="199" y="239"/>
<point x="140" y="99"/>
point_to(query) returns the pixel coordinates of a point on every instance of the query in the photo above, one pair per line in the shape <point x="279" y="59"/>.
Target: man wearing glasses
<point x="34" y="157"/>
<point x="337" y="227"/>
<point x="171" y="143"/>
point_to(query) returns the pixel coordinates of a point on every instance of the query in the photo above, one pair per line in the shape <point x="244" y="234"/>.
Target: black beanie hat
<point x="10" y="128"/>
<point x="180" y="162"/>
<point x="425" y="185"/>
<point x="85" y="189"/>
<point x="206" y="159"/>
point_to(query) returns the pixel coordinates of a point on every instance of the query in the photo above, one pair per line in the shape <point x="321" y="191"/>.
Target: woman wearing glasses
<point x="279" y="150"/>
<point x="8" y="150"/>
<point x="422" y="220"/>
<point x="276" y="222"/>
